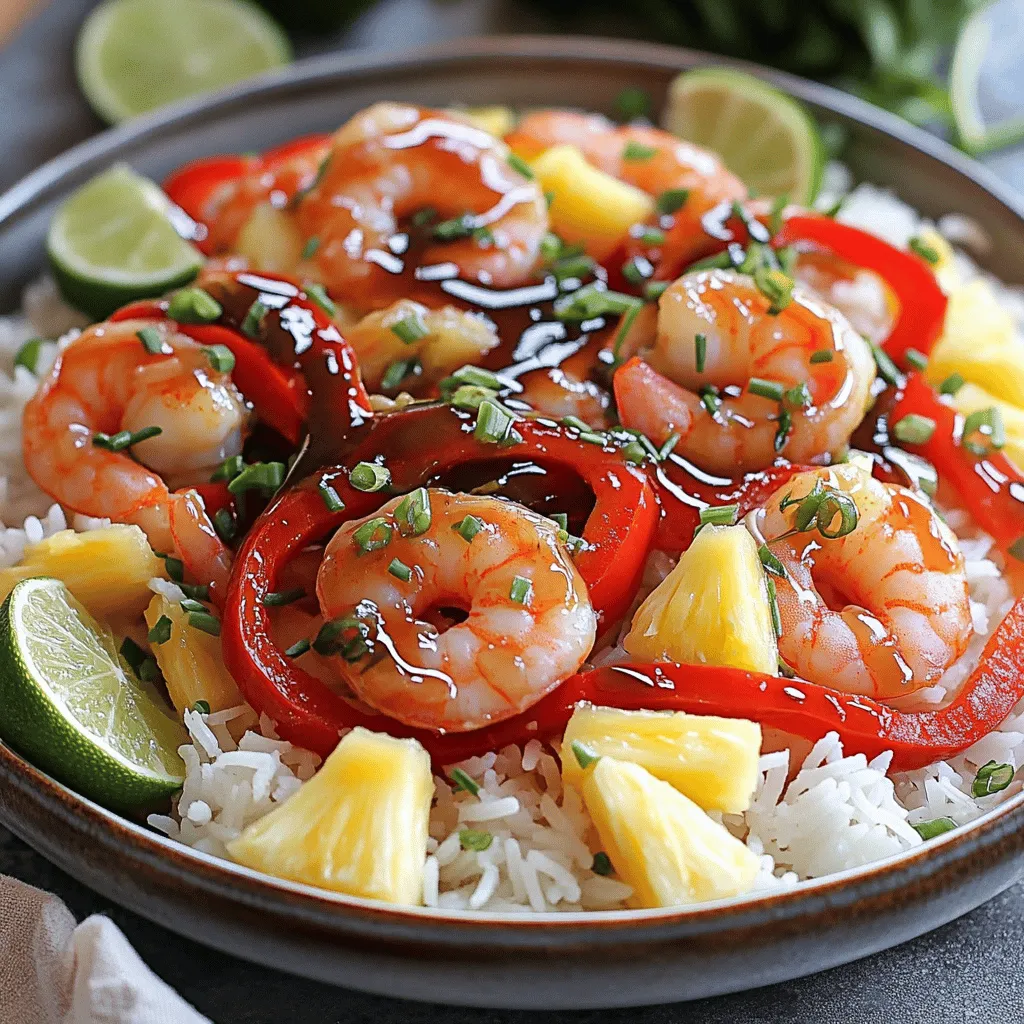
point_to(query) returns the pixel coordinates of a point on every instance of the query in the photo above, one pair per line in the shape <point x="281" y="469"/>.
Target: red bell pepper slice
<point x="922" y="303"/>
<point x="424" y="445"/>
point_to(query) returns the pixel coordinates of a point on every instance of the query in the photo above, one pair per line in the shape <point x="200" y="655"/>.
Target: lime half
<point x="763" y="135"/>
<point x="114" y="241"/>
<point x="69" y="703"/>
<point x="136" y="55"/>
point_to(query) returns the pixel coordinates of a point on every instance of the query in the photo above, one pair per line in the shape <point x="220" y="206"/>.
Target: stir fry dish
<point x="514" y="511"/>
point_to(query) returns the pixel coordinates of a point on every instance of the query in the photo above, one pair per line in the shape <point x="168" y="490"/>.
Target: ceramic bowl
<point x="550" y="961"/>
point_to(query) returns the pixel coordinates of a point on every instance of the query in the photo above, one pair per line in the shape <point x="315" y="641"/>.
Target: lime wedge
<point x="763" y="135"/>
<point x="114" y="241"/>
<point x="136" y="55"/>
<point x="70" y="704"/>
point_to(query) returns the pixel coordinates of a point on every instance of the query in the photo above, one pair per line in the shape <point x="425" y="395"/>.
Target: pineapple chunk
<point x="971" y="398"/>
<point x="660" y="842"/>
<point x="270" y="239"/>
<point x="979" y="342"/>
<point x="191" y="661"/>
<point x="711" y="760"/>
<point x="359" y="826"/>
<point x="589" y="206"/>
<point x="497" y="121"/>
<point x="711" y="609"/>
<point x="108" y="570"/>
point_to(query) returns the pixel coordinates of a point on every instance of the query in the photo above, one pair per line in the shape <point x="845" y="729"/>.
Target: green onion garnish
<point x="989" y="423"/>
<point x="666" y="449"/>
<point x="638" y="151"/>
<point x="411" y="328"/>
<point x="493" y="423"/>
<point x="473" y="375"/>
<point x="635" y="452"/>
<point x="798" y="397"/>
<point x="933" y="828"/>
<point x="927" y="252"/>
<point x="952" y="384"/>
<point x="916" y="360"/>
<point x="369" y="477"/>
<point x="310" y="248"/>
<point x="192" y="605"/>
<point x="277" y="598"/>
<point x="770" y="562"/>
<point x="195" y="591"/>
<point x="28" y="354"/>
<point x="152" y="341"/>
<point x="775" y="286"/>
<point x="773" y="605"/>
<point x="228" y="469"/>
<point x="517" y="163"/>
<point x="783" y="429"/>
<point x="224" y="524"/>
<point x="260" y="476"/>
<point x="574" y="267"/>
<point x="469" y="397"/>
<point x="632" y="103"/>
<point x="992" y="778"/>
<point x="221" y="358"/>
<point x="720" y="515"/>
<point x="204" y="621"/>
<point x="161" y="631"/>
<point x="193" y="306"/>
<point x="584" y="755"/>
<point x="700" y="344"/>
<point x="124" y="439"/>
<point x="672" y="200"/>
<point x="887" y="369"/>
<point x="710" y="400"/>
<point x="421" y="218"/>
<point x="562" y="519"/>
<point x="319" y="295"/>
<point x="637" y="270"/>
<point x="330" y="497"/>
<point x="471" y="839"/>
<point x="602" y="864"/>
<point x="469" y="527"/>
<point x="397" y="372"/>
<point x="298" y="648"/>
<point x="175" y="568"/>
<point x="464" y="782"/>
<point x="823" y="355"/>
<point x="914" y="429"/>
<point x="455" y="229"/>
<point x="593" y="300"/>
<point x="253" y="318"/>
<point x="521" y="590"/>
<point x="779" y="203"/>
<point x="400" y="570"/>
<point x="653" y="290"/>
<point x="766" y="388"/>
<point x="413" y="513"/>
<point x="373" y="535"/>
<point x="650" y="236"/>
<point x="201" y="707"/>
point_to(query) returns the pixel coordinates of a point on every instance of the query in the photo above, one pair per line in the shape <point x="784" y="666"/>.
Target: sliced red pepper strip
<point x="991" y="487"/>
<point x="427" y="443"/>
<point x="922" y="303"/>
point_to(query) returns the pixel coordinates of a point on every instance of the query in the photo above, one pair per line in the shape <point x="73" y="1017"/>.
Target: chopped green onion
<point x="666" y="449"/>
<point x="989" y="423"/>
<point x="992" y="778"/>
<point x="770" y="562"/>
<point x="710" y="400"/>
<point x="887" y="369"/>
<point x="474" y="375"/>
<point x="917" y="360"/>
<point x="798" y="397"/>
<point x="124" y="439"/>
<point x="672" y="200"/>
<point x="927" y="252"/>
<point x="132" y="653"/>
<point x="152" y="341"/>
<point x="700" y="344"/>
<point x="775" y="286"/>
<point x="720" y="515"/>
<point x="193" y="306"/>
<point x="517" y="163"/>
<point x="493" y="423"/>
<point x="650" y="236"/>
<point x="327" y="640"/>
<point x="562" y="519"/>
<point x="823" y="355"/>
<point x="779" y="203"/>
<point x="766" y="388"/>
<point x="455" y="229"/>
<point x="653" y="290"/>
<point x="298" y="648"/>
<point x="914" y="429"/>
<point x="574" y="267"/>
<point x="253" y="318"/>
<point x="397" y="372"/>
<point x="310" y="248"/>
<point x="625" y="326"/>
<point x="637" y="270"/>
<point x="550" y="247"/>
<point x="175" y="568"/>
<point x="161" y="631"/>
<point x="421" y="218"/>
<point x="593" y="300"/>
<point x="204" y="621"/>
<point x="635" y="452"/>
<point x="521" y="590"/>
<point x="783" y="429"/>
<point x="469" y="527"/>
<point x="260" y="476"/>
<point x="469" y="397"/>
<point x="330" y="497"/>
<point x="318" y="294"/>
<point x="832" y="504"/>
<point x="602" y="864"/>
<point x="471" y="839"/>
<point x="933" y="828"/>
<point x="464" y="782"/>
<point x="195" y="591"/>
<point x="574" y="423"/>
<point x="228" y="469"/>
<point x="192" y="605"/>
<point x="28" y="354"/>
<point x="278" y="598"/>
<point x="201" y="707"/>
<point x="952" y="384"/>
<point x="369" y="477"/>
<point x="413" y="513"/>
<point x="411" y="328"/>
<point x="593" y="437"/>
<point x="773" y="605"/>
<point x="584" y="755"/>
<point x="638" y="151"/>
<point x="373" y="535"/>
<point x="632" y="103"/>
<point x="400" y="570"/>
<point x="221" y="358"/>
<point x="224" y="524"/>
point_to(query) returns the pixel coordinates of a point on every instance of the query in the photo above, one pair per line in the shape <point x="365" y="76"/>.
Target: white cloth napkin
<point x="54" y="973"/>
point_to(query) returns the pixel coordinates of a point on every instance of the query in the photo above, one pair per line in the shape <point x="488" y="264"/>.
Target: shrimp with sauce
<point x="108" y="382"/>
<point x="882" y="610"/>
<point x="740" y="384"/>
<point x="411" y="571"/>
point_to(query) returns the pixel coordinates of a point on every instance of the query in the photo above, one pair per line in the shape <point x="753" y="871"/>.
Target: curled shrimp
<point x="107" y="381"/>
<point x="818" y="370"/>
<point x="528" y="619"/>
<point x="882" y="610"/>
<point x="418" y="346"/>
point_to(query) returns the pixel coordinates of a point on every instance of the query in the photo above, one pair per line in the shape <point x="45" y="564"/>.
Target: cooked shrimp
<point x="106" y="381"/>
<point x="427" y="344"/>
<point x="731" y="428"/>
<point x="392" y="161"/>
<point x="884" y="609"/>
<point x="528" y="619"/>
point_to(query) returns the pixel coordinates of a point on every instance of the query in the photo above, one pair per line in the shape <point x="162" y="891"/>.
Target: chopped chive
<point x="593" y="437"/>
<point x="773" y="605"/>
<point x="224" y="524"/>
<point x="766" y="388"/>
<point x="653" y="290"/>
<point x="175" y="568"/>
<point x="592" y="300"/>
<point x="319" y="295"/>
<point x="454" y="229"/>
<point x="422" y="218"/>
<point x="192" y="605"/>
<point x="464" y="782"/>
<point x="927" y="252"/>
<point x="666" y="449"/>
<point x="484" y="237"/>
<point x="720" y="515"/>
<point x="469" y="397"/>
<point x="574" y="423"/>
<point x="574" y="267"/>
<point x="823" y="355"/>
<point x="476" y="376"/>
<point x="277" y="598"/>
<point x="710" y="400"/>
<point x="562" y="519"/>
<point x="521" y="590"/>
<point x="632" y="103"/>
<point x="933" y="828"/>
<point x="493" y="423"/>
<point x="221" y="358"/>
<point x="779" y="203"/>
<point x="195" y="591"/>
<point x="798" y="397"/>
<point x="638" y="151"/>
<point x="602" y="864"/>
<point x="551" y="247"/>
<point x="152" y="340"/>
<point x="517" y="163"/>
<point x="400" y="570"/>
<point x="298" y="648"/>
<point x="469" y="527"/>
<point x="193" y="306"/>
<point x="775" y="286"/>
<point x="916" y="360"/>
<point x="413" y="514"/>
<point x="887" y="369"/>
<point x="700" y="344"/>
<point x="228" y="469"/>
<point x="201" y="707"/>
<point x="625" y="326"/>
<point x="952" y="384"/>
<point x="125" y="439"/>
<point x="584" y="755"/>
<point x="989" y="423"/>
<point x="310" y="248"/>
<point x="259" y="476"/>
<point x="471" y="839"/>
<point x="635" y="452"/>
<point x="327" y="639"/>
<point x="992" y="778"/>
<point x="650" y="236"/>
<point x="161" y="631"/>
<point x="783" y="429"/>
<point x="330" y="497"/>
<point x="253" y="318"/>
<point x="369" y="477"/>
<point x="637" y="270"/>
<point x="204" y="621"/>
<point x="373" y="535"/>
<point x="672" y="200"/>
<point x="770" y="562"/>
<point x="28" y="354"/>
<point x="411" y="328"/>
<point x="914" y="429"/>
<point x="397" y="372"/>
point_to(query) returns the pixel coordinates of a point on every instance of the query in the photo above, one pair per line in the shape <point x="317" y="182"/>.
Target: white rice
<point x="837" y="812"/>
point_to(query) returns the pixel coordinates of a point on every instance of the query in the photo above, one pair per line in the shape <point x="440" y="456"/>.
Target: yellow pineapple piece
<point x="497" y="121"/>
<point x="711" y="609"/>
<point x="190" y="661"/>
<point x="270" y="239"/>
<point x="359" y="826"/>
<point x="589" y="207"/>
<point x="108" y="570"/>
<point x="659" y="841"/>
<point x="711" y="760"/>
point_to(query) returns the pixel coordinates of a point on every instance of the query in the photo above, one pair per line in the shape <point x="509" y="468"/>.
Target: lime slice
<point x="114" y="241"/>
<point x="136" y="55"/>
<point x="69" y="703"/>
<point x="764" y="136"/>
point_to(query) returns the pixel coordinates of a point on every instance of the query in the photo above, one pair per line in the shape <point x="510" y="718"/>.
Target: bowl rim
<point x="375" y="919"/>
